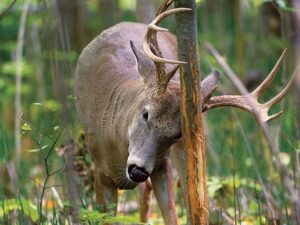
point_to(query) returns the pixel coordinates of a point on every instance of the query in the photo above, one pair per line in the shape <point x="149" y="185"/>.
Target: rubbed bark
<point x="193" y="135"/>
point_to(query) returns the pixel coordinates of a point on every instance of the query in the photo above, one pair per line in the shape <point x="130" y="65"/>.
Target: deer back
<point x="108" y="87"/>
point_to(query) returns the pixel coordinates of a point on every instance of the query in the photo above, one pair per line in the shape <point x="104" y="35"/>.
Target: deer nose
<point x="137" y="174"/>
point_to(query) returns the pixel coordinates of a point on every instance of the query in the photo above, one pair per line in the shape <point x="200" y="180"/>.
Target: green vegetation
<point x="242" y="177"/>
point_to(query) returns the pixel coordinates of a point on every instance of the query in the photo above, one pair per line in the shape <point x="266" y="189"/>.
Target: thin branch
<point x="48" y="175"/>
<point x="58" y="170"/>
<point x="2" y="14"/>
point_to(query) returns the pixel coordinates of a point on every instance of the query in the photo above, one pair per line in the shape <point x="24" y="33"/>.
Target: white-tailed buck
<point x="128" y="101"/>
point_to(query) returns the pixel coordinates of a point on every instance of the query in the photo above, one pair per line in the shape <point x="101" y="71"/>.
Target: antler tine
<point x="266" y="83"/>
<point x="281" y="94"/>
<point x="152" y="27"/>
<point x="249" y="102"/>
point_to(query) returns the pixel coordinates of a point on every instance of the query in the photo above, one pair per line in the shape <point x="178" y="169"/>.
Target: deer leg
<point x="178" y="156"/>
<point x="106" y="193"/>
<point x="145" y="200"/>
<point x="162" y="184"/>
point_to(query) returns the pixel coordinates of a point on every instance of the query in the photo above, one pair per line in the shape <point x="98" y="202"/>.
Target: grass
<point x="239" y="178"/>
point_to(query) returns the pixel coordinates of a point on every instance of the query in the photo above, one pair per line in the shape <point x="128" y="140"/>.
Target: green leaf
<point x="72" y="97"/>
<point x="10" y="68"/>
<point x="38" y="149"/>
<point x="56" y="128"/>
<point x="37" y="104"/>
<point x="29" y="209"/>
<point x="26" y="127"/>
<point x="88" y="216"/>
<point x="52" y="105"/>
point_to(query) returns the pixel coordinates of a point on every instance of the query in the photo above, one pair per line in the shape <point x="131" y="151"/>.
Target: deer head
<point x="159" y="111"/>
<point x="157" y="125"/>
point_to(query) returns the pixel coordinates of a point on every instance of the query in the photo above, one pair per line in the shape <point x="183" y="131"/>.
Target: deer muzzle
<point x="137" y="174"/>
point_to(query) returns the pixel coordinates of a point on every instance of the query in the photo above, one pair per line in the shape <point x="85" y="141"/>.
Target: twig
<point x="48" y="175"/>
<point x="36" y="182"/>
<point x="228" y="218"/>
<point x="41" y="135"/>
<point x="2" y="14"/>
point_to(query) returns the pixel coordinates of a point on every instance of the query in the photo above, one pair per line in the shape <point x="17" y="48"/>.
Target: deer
<point x="128" y="100"/>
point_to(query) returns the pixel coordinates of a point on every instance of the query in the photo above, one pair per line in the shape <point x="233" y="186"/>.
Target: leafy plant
<point x="21" y="205"/>
<point x="88" y="216"/>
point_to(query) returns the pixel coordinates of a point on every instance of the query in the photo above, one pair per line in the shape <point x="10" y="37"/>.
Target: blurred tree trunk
<point x="145" y="11"/>
<point x="70" y="31"/>
<point x="19" y="75"/>
<point x="239" y="37"/>
<point x="271" y="19"/>
<point x="38" y="63"/>
<point x="71" y="34"/>
<point x="73" y="14"/>
<point x="297" y="94"/>
<point x="193" y="134"/>
<point x="297" y="53"/>
<point x="297" y="89"/>
<point x="216" y="23"/>
<point x="108" y="13"/>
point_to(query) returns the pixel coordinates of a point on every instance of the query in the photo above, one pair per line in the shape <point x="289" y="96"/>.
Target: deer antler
<point x="250" y="102"/>
<point x="152" y="29"/>
<point x="152" y="50"/>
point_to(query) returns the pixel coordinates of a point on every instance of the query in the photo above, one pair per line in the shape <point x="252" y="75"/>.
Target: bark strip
<point x="193" y="135"/>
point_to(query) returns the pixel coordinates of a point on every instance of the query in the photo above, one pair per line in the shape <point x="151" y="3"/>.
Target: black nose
<point x="137" y="174"/>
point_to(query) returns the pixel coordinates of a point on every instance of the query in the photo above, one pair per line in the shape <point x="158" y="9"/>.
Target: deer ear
<point x="145" y="66"/>
<point x="209" y="85"/>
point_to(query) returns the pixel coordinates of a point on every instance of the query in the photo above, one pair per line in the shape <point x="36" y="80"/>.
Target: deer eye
<point x="145" y="115"/>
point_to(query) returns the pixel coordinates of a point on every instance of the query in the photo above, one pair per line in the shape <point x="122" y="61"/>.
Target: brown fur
<point x="111" y="97"/>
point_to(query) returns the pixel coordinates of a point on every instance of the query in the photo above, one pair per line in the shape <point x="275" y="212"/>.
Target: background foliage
<point x="249" y="34"/>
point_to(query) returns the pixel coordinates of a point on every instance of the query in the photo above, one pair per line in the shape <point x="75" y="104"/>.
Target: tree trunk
<point x="297" y="48"/>
<point x="38" y="63"/>
<point x="19" y="74"/>
<point x="145" y="11"/>
<point x="240" y="40"/>
<point x="193" y="135"/>
<point x="73" y="16"/>
<point x="108" y="13"/>
<point x="70" y="33"/>
<point x="297" y="91"/>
